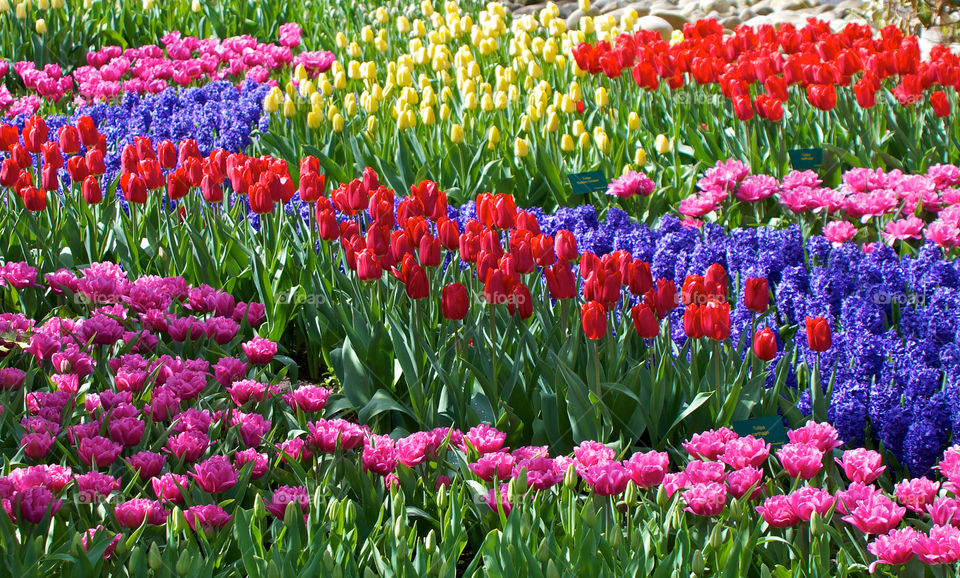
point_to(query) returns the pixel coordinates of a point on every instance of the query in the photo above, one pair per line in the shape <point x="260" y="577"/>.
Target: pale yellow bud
<point x="403" y="25"/>
<point x="521" y="148"/>
<point x="271" y="103"/>
<point x="493" y="137"/>
<point x="578" y="128"/>
<point x="289" y="108"/>
<point x="633" y="121"/>
<point x="500" y="101"/>
<point x="325" y="87"/>
<point x="57" y="4"/>
<point x="603" y="142"/>
<point x="584" y="5"/>
<point x="584" y="141"/>
<point x="445" y="112"/>
<point x="427" y="8"/>
<point x="586" y="25"/>
<point x="195" y="6"/>
<point x="566" y="143"/>
<point x="662" y="144"/>
<point x="21" y="12"/>
<point x="456" y="133"/>
<point x="470" y="102"/>
<point x="381" y="15"/>
<point x="553" y="122"/>
<point x="372" y="124"/>
<point x="337" y="123"/>
<point x="575" y="92"/>
<point x="340" y="40"/>
<point x="43" y="4"/>
<point x="332" y="112"/>
<point x="427" y="116"/>
<point x="600" y="96"/>
<point x="366" y="34"/>
<point x="640" y="157"/>
<point x="340" y="81"/>
<point x="314" y="120"/>
<point x="486" y="103"/>
<point x="411" y="118"/>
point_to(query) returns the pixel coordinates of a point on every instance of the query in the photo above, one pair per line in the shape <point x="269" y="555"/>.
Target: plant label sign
<point x="769" y="429"/>
<point x="589" y="182"/>
<point x="806" y="159"/>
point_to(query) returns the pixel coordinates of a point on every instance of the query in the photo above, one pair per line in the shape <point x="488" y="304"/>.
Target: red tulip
<point x="368" y="266"/>
<point x="560" y="280"/>
<point x="565" y="245"/>
<point x="177" y="186"/>
<point x="449" y="233"/>
<point x="822" y="96"/>
<point x="9" y="173"/>
<point x="167" y="154"/>
<point x="89" y="135"/>
<point x="520" y="302"/>
<point x="756" y="294"/>
<point x="20" y="154"/>
<point x="144" y="148"/>
<point x="940" y="104"/>
<point x="769" y="108"/>
<point x="693" y="321"/>
<point x="327" y="225"/>
<point x="716" y="278"/>
<point x="77" y="168"/>
<point x="49" y="179"/>
<point x="69" y="139"/>
<point x="414" y="279"/>
<point x="91" y="190"/>
<point x="665" y="297"/>
<point x="639" y="278"/>
<point x="429" y="251"/>
<point x="543" y="253"/>
<point x="454" y="301"/>
<point x="95" y="162"/>
<point x="715" y="319"/>
<point x="594" y="319"/>
<point x="211" y="190"/>
<point x="133" y="188"/>
<point x="742" y="107"/>
<point x="311" y="187"/>
<point x="693" y="290"/>
<point x="35" y="133"/>
<point x="645" y="321"/>
<point x="9" y="136"/>
<point x="819" y="337"/>
<point x="50" y="152"/>
<point x="260" y="200"/>
<point x="34" y="199"/>
<point x="494" y="288"/>
<point x="765" y="344"/>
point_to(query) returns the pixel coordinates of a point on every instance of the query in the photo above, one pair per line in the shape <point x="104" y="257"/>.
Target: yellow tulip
<point x="372" y="124"/>
<point x="575" y="92"/>
<point x="21" y="11"/>
<point x="325" y="87"/>
<point x="676" y="37"/>
<point x="411" y="118"/>
<point x="332" y="111"/>
<point x="340" y="40"/>
<point x="521" y="148"/>
<point x="603" y="142"/>
<point x="470" y="102"/>
<point x="445" y="112"/>
<point x="366" y="34"/>
<point x="584" y="5"/>
<point x="350" y="107"/>
<point x="633" y="121"/>
<point x="500" y="100"/>
<point x="584" y="141"/>
<point x="578" y="128"/>
<point x="662" y="144"/>
<point x="195" y="6"/>
<point x="427" y="116"/>
<point x="600" y="96"/>
<point x="418" y="29"/>
<point x="566" y="143"/>
<point x="314" y="120"/>
<point x="340" y="81"/>
<point x="353" y="70"/>
<point x="486" y="103"/>
<point x="381" y="15"/>
<point x="337" y="123"/>
<point x="316" y="101"/>
<point x="354" y="50"/>
<point x="289" y="108"/>
<point x="553" y="122"/>
<point x="427" y="8"/>
<point x="403" y="25"/>
<point x="587" y="25"/>
<point x="493" y="137"/>
<point x="456" y="133"/>
<point x="640" y="157"/>
<point x="43" y="4"/>
<point x="271" y="103"/>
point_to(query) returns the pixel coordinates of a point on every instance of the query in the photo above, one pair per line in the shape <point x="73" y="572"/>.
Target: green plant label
<point x="589" y="182"/>
<point x="770" y="429"/>
<point x="806" y="159"/>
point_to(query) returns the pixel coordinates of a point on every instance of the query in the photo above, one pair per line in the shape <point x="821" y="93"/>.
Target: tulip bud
<point x="43" y="4"/>
<point x="399" y="529"/>
<point x="271" y="103"/>
<point x="289" y="108"/>
<point x="736" y="510"/>
<point x="521" y="148"/>
<point x="259" y="510"/>
<point x="314" y="120"/>
<point x="328" y="562"/>
<point x="154" y="559"/>
<point x="630" y="494"/>
<point x="136" y="562"/>
<point x="179" y="521"/>
<point x="662" y="144"/>
<point x="443" y="499"/>
<point x="584" y="141"/>
<point x="816" y="524"/>
<point x="493" y="137"/>
<point x="566" y="143"/>
<point x="662" y="498"/>
<point x="4" y="6"/>
<point x="600" y="96"/>
<point x="716" y="537"/>
<point x="183" y="562"/>
<point x="699" y="564"/>
<point x="40" y="26"/>
<point x="570" y="478"/>
<point x="456" y="134"/>
<point x="589" y="514"/>
<point x="430" y="542"/>
<point x="543" y="551"/>
<point x="640" y="158"/>
<point x="372" y="124"/>
<point x="552" y="571"/>
<point x="337" y="123"/>
<point x="195" y="6"/>
<point x="633" y="121"/>
<point x="21" y="12"/>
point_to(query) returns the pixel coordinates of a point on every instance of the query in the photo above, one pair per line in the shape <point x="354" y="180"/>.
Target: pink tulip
<point x="709" y="445"/>
<point x="607" y="479"/>
<point x="379" y="455"/>
<point x="647" y="469"/>
<point x="485" y="439"/>
<point x="497" y="499"/>
<point x="36" y="446"/>
<point x="591" y="453"/>
<point x="778" y="512"/>
<point x="945" y="511"/>
<point x="288" y="495"/>
<point x="949" y="466"/>
<point x="259" y="460"/>
<point x="215" y="475"/>
<point x="98" y="450"/>
<point x="745" y="452"/>
<point x="706" y="499"/>
<point x="893" y="549"/>
<point x="800" y="460"/>
<point x="259" y="351"/>
<point x="822" y="436"/>
<point x="699" y="472"/>
<point x="167" y="487"/>
<point x="917" y="494"/>
<point x="941" y="546"/>
<point x="877" y="514"/>
<point x="493" y="465"/>
<point x="740" y="481"/>
<point x="32" y="504"/>
<point x="807" y="500"/>
<point x="94" y="485"/>
<point x="206" y="517"/>
<point x="861" y="465"/>
<point x="132" y="513"/>
<point x="148" y="464"/>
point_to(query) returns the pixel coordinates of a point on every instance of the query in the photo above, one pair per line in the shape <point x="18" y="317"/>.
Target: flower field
<point x="461" y="289"/>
